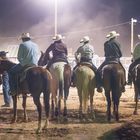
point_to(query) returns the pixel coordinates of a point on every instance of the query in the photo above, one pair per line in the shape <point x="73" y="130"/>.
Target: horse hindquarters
<point x="57" y="71"/>
<point x="85" y="86"/>
<point x="38" y="80"/>
<point x="112" y="78"/>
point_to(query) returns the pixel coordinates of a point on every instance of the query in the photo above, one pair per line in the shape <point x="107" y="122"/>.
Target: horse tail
<point x="67" y="79"/>
<point x="46" y="79"/>
<point x="85" y="95"/>
<point x="59" y="73"/>
<point x="84" y="81"/>
<point x="61" y="88"/>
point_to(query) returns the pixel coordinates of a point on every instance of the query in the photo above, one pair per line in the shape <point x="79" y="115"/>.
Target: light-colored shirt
<point x="136" y="53"/>
<point x="85" y="51"/>
<point x="28" y="53"/>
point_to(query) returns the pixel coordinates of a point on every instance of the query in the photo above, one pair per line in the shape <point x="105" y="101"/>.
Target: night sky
<point x="75" y="19"/>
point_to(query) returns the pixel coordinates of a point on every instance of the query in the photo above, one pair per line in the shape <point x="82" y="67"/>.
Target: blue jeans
<point x="5" y="88"/>
<point x="13" y="72"/>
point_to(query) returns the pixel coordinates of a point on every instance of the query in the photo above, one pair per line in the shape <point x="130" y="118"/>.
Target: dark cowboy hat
<point x="3" y="53"/>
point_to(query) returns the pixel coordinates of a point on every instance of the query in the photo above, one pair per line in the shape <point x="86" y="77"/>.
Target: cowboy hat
<point x="138" y="36"/>
<point x="58" y="37"/>
<point x="85" y="39"/>
<point x="112" y="34"/>
<point x="3" y="53"/>
<point x="25" y="35"/>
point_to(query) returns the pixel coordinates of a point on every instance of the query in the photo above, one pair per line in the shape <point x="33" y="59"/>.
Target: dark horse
<point x="113" y="81"/>
<point x="136" y="81"/>
<point x="61" y="78"/>
<point x="38" y="81"/>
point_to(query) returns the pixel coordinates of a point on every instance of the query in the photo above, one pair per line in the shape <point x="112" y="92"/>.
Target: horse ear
<point x="41" y="52"/>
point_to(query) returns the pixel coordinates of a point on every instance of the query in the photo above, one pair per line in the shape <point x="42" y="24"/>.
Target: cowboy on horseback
<point x="57" y="51"/>
<point x="85" y="54"/>
<point x="135" y="61"/>
<point x="112" y="52"/>
<point x="27" y="56"/>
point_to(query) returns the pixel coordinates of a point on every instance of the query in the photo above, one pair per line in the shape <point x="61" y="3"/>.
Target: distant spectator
<point x="5" y="83"/>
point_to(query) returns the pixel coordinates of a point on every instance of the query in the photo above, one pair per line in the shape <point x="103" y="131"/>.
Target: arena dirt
<point x="73" y="129"/>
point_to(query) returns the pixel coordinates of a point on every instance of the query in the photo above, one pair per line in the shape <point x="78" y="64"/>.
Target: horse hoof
<point x="65" y="119"/>
<point x="135" y="113"/>
<point x="65" y="112"/>
<point x="117" y="119"/>
<point x="38" y="131"/>
<point x="93" y="117"/>
<point x="25" y="120"/>
<point x="13" y="121"/>
<point x="109" y="119"/>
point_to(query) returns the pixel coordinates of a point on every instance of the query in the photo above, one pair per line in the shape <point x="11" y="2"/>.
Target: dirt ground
<point x="127" y="128"/>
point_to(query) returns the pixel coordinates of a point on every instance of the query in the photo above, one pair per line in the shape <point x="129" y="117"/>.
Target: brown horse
<point x="113" y="81"/>
<point x="85" y="84"/>
<point x="61" y="78"/>
<point x="38" y="81"/>
<point x="136" y="81"/>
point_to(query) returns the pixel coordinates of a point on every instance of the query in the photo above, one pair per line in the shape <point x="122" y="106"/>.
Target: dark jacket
<point x="59" y="52"/>
<point x="112" y="49"/>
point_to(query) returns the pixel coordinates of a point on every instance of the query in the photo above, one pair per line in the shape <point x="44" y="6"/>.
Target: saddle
<point x="112" y="62"/>
<point x="22" y="83"/>
<point x="88" y="64"/>
<point x="23" y="73"/>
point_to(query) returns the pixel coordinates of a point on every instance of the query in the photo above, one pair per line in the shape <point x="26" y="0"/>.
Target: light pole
<point x="55" y="18"/>
<point x="132" y="34"/>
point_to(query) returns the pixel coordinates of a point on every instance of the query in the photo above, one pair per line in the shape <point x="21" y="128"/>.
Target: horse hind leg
<point x="136" y="103"/>
<point x="107" y="93"/>
<point x="116" y="108"/>
<point x="65" y="107"/>
<point x="47" y="108"/>
<point x="66" y="91"/>
<point x="52" y="108"/>
<point x="92" y="113"/>
<point x="36" y="99"/>
<point x="24" y="107"/>
<point x="14" y="97"/>
<point x="80" y="103"/>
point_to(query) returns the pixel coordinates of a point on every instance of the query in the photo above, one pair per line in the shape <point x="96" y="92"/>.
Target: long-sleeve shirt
<point x="85" y="51"/>
<point x="136" y="53"/>
<point x="28" y="53"/>
<point x="112" y="49"/>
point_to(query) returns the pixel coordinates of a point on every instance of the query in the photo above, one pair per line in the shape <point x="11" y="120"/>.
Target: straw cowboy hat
<point x="58" y="37"/>
<point x="112" y="34"/>
<point x="138" y="36"/>
<point x="24" y="35"/>
<point x="85" y="39"/>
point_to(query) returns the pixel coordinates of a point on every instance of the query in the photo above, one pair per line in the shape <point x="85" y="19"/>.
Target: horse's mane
<point x="43" y="60"/>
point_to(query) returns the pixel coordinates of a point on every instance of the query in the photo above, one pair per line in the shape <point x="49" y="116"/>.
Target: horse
<point x="38" y="80"/>
<point x="113" y="77"/>
<point x="136" y="82"/>
<point x="61" y="79"/>
<point x="85" y="83"/>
